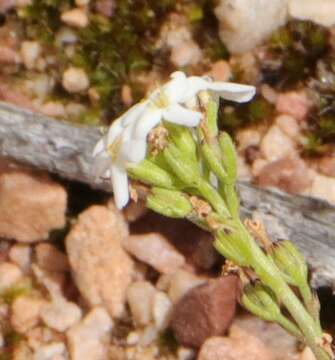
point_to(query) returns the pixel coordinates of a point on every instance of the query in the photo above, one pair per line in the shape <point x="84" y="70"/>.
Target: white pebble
<point x="75" y="80"/>
<point x="30" y="52"/>
<point x="9" y="275"/>
<point x="75" y="17"/>
<point x="162" y="309"/>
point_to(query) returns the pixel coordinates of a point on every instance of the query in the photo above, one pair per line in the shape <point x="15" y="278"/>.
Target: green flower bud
<point x="211" y="117"/>
<point x="149" y="173"/>
<point x="291" y="263"/>
<point x="213" y="162"/>
<point x="229" y="156"/>
<point x="183" y="139"/>
<point x="261" y="301"/>
<point x="229" y="193"/>
<point x="169" y="203"/>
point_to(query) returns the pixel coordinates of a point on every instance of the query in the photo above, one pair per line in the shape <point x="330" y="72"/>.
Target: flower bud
<point x="169" y="203"/>
<point x="229" y="155"/>
<point x="149" y="173"/>
<point x="213" y="162"/>
<point x="261" y="301"/>
<point x="291" y="262"/>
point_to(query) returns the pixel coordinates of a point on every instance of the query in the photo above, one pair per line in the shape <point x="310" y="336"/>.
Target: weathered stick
<point x="65" y="149"/>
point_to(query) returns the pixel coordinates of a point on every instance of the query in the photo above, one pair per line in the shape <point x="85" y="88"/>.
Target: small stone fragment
<point x="289" y="125"/>
<point x="9" y="56"/>
<point x="244" y="24"/>
<point x="31" y="205"/>
<point x="275" y="144"/>
<point x="105" y="7"/>
<point x="50" y="351"/>
<point x="26" y="311"/>
<point x="321" y="12"/>
<point x="323" y="187"/>
<point x="30" y="52"/>
<point x="327" y="165"/>
<point x="75" y="17"/>
<point x="6" y="5"/>
<point x="247" y="347"/>
<point x="181" y="282"/>
<point x="293" y="103"/>
<point x="205" y="311"/>
<point x="289" y="173"/>
<point x="87" y="340"/>
<point x="140" y="296"/>
<point x="102" y="270"/>
<point x="50" y="258"/>
<point x="221" y="71"/>
<point x="307" y="354"/>
<point x="75" y="80"/>
<point x="20" y="255"/>
<point x="185" y="353"/>
<point x="146" y="248"/>
<point x="10" y="274"/>
<point x="162" y="310"/>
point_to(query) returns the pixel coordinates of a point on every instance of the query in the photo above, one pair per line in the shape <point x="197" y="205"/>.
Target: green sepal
<point x="229" y="155"/>
<point x="149" y="173"/>
<point x="229" y="193"/>
<point x="290" y="262"/>
<point x="169" y="203"/>
<point x="211" y="117"/>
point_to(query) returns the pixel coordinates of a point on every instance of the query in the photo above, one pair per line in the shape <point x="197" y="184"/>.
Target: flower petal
<point x="176" y="88"/>
<point x="120" y="186"/>
<point x="133" y="151"/>
<point x="178" y="114"/>
<point x="134" y="113"/>
<point x="148" y="121"/>
<point x="101" y="165"/>
<point x="233" y="92"/>
<point x="99" y="147"/>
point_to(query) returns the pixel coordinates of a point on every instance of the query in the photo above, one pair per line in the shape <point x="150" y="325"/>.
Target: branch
<point x="65" y="149"/>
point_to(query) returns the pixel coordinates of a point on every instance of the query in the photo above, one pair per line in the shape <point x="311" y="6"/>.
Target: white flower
<point x="126" y="140"/>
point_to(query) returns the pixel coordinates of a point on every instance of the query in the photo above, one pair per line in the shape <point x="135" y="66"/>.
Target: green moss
<point x="23" y="287"/>
<point x="233" y="115"/>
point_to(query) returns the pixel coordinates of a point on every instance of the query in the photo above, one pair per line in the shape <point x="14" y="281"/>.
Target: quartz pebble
<point x="101" y="268"/>
<point x="146" y="248"/>
<point x="30" y="52"/>
<point x="86" y="340"/>
<point x="293" y="103"/>
<point x="21" y="255"/>
<point x="49" y="258"/>
<point x="50" y="352"/>
<point x="75" y="17"/>
<point x="75" y="80"/>
<point x="162" y="310"/>
<point x="10" y="274"/>
<point x="244" y="24"/>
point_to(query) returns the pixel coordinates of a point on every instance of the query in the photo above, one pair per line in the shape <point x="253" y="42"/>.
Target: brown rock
<point x="205" y="311"/>
<point x="289" y="173"/>
<point x="155" y="250"/>
<point x="31" y="205"/>
<point x="50" y="258"/>
<point x="293" y="103"/>
<point x="240" y="345"/>
<point x="101" y="268"/>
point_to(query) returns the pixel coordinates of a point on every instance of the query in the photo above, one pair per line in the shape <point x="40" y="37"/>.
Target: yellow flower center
<point x="162" y="100"/>
<point x="114" y="148"/>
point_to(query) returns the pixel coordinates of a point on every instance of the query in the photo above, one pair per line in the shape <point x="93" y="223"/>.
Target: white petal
<point x="133" y="151"/>
<point x="175" y="89"/>
<point x="180" y="115"/>
<point x="195" y="84"/>
<point x="99" y="147"/>
<point x="148" y="121"/>
<point x="134" y="113"/>
<point x="120" y="186"/>
<point x="232" y="91"/>
<point x="114" y="131"/>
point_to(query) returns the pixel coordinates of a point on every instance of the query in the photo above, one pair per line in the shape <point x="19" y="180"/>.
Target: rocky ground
<point x="80" y="280"/>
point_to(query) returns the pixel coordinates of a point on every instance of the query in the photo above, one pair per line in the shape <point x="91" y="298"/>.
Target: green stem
<point x="269" y="275"/>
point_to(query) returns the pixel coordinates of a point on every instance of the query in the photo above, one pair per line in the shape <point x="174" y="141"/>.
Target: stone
<point x="146" y="247"/>
<point x="31" y="205"/>
<point x="290" y="173"/>
<point x="327" y="165"/>
<point x="49" y="258"/>
<point x="161" y="310"/>
<point x="101" y="269"/>
<point x="26" y="311"/>
<point x="321" y="12"/>
<point x="87" y="340"/>
<point x="185" y="353"/>
<point x="6" y="5"/>
<point x="205" y="311"/>
<point x="20" y="255"/>
<point x="220" y="71"/>
<point x="30" y="52"/>
<point x="247" y="137"/>
<point x="289" y="125"/>
<point x="244" y="24"/>
<point x="240" y="345"/>
<point x="294" y="103"/>
<point x="75" y="80"/>
<point x="181" y="282"/>
<point x="307" y="354"/>
<point x="9" y="56"/>
<point x="323" y="187"/>
<point x="61" y="314"/>
<point x="50" y="351"/>
<point x="10" y="274"/>
<point x="275" y="144"/>
<point x="105" y="7"/>
<point x="140" y="296"/>
<point x="77" y="18"/>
